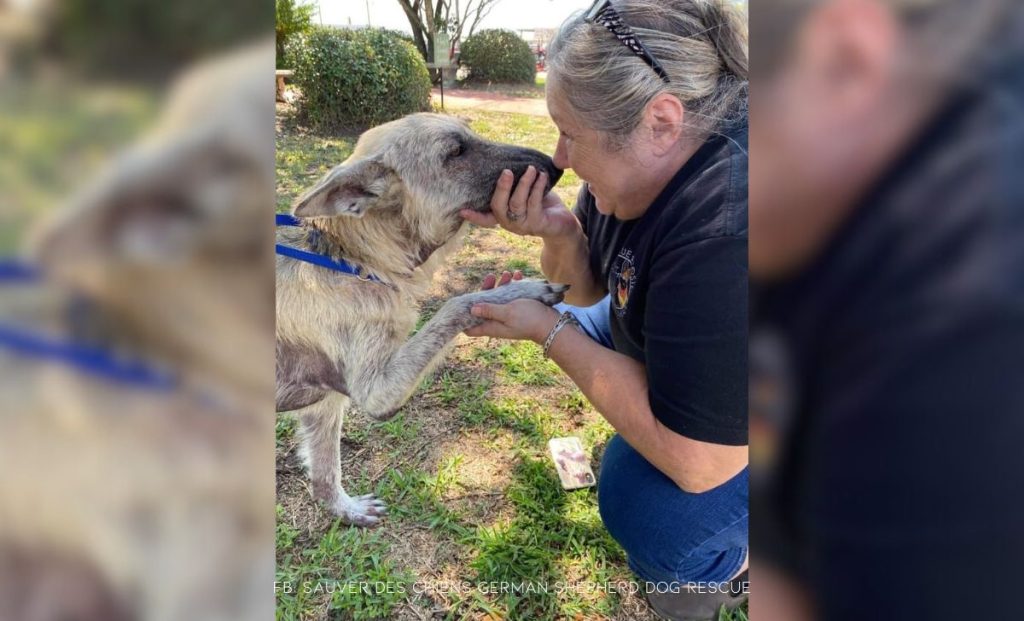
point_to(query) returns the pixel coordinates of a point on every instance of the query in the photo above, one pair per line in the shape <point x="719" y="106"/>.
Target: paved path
<point x="456" y="99"/>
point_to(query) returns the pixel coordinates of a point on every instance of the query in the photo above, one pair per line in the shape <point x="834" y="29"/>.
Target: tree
<point x="292" y="18"/>
<point x="428" y="17"/>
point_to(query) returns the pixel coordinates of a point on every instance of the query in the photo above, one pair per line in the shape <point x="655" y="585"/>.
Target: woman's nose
<point x="561" y="156"/>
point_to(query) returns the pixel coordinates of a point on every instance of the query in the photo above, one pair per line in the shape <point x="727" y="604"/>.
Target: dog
<point x="392" y="209"/>
<point x="167" y="237"/>
<point x="120" y="503"/>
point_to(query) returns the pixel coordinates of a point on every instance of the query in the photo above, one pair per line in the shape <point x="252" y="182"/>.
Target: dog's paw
<point x="548" y="293"/>
<point x="363" y="511"/>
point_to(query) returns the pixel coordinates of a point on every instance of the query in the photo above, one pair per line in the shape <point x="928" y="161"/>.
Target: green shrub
<point x="498" y="56"/>
<point x="352" y="79"/>
<point x="404" y="36"/>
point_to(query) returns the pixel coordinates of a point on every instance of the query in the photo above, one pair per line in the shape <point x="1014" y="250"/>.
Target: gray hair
<point x="702" y="44"/>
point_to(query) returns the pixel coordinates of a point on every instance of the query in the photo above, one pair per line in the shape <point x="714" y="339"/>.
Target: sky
<point x="511" y="14"/>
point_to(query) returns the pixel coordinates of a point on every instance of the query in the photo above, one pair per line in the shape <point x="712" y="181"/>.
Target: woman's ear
<point x="664" y="117"/>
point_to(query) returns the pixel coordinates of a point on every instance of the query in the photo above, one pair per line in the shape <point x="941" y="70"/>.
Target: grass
<point x="347" y="569"/>
<point x="53" y="139"/>
<point x="532" y="91"/>
<point x="554" y="539"/>
<point x="478" y="525"/>
<point x="302" y="158"/>
<point x="521" y="362"/>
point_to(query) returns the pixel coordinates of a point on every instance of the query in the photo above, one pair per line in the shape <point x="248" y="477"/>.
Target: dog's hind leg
<point x="320" y="449"/>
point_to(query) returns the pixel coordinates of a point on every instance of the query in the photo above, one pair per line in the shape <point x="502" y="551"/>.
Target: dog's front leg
<point x="383" y="388"/>
<point x="320" y="449"/>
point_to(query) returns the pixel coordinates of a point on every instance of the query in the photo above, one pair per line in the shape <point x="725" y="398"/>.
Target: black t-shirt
<point x="678" y="282"/>
<point x="897" y="493"/>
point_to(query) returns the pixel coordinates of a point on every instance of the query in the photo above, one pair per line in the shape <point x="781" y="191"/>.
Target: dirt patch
<point x="459" y="99"/>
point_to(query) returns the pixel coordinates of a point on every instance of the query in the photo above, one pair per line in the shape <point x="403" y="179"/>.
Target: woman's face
<point x="611" y="174"/>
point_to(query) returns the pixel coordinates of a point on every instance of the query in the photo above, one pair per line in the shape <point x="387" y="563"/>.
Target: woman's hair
<point x="701" y="44"/>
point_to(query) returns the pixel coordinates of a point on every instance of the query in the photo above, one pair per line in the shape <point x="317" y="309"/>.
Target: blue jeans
<point x="669" y="535"/>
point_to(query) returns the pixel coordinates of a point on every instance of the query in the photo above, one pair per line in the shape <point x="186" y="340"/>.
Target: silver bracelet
<point x="563" y="319"/>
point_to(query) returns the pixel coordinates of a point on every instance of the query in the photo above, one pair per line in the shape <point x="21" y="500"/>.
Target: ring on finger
<point x="511" y="215"/>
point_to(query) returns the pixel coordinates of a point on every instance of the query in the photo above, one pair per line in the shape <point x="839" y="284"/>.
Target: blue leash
<point x="99" y="362"/>
<point x="12" y="270"/>
<point x="90" y="359"/>
<point x="283" y="219"/>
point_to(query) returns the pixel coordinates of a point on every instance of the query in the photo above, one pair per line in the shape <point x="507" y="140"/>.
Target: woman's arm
<point x="566" y="259"/>
<point x="616" y="385"/>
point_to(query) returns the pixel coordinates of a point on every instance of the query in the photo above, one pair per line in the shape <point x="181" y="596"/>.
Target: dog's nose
<point x="554" y="174"/>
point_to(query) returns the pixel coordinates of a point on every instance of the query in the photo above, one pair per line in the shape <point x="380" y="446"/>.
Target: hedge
<point x="352" y="79"/>
<point x="498" y="56"/>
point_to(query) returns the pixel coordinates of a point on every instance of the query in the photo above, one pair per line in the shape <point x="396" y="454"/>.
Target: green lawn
<point x="53" y="140"/>
<point x="533" y="91"/>
<point x="474" y="499"/>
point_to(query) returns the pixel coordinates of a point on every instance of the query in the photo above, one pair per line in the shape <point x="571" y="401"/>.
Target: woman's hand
<point x="527" y="210"/>
<point x="518" y="320"/>
<point x="521" y="319"/>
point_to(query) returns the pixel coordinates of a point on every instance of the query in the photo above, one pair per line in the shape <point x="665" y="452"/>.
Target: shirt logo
<point x="625" y="277"/>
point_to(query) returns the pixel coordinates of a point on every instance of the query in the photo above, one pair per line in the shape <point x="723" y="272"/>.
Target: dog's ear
<point x="348" y="190"/>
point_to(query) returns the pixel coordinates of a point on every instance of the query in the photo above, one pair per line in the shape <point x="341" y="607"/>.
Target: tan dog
<point x="392" y="209"/>
<point x="117" y="502"/>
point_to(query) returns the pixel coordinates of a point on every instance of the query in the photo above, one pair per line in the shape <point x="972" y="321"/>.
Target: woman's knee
<point x="614" y="491"/>
<point x="668" y="533"/>
<point x="631" y="498"/>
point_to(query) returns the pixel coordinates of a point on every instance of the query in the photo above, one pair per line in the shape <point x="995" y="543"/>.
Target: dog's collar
<point x="321" y="260"/>
<point x="89" y="358"/>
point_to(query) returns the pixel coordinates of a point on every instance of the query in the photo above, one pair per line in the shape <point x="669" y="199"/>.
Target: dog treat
<point x="571" y="462"/>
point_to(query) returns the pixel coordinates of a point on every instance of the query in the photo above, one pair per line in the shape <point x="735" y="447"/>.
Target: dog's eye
<point x="457" y="150"/>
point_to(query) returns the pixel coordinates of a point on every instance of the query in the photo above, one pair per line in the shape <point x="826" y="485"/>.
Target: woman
<point x="887" y="266"/>
<point x="650" y="100"/>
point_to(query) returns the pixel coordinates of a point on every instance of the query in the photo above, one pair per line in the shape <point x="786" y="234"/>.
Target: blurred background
<point x="136" y="310"/>
<point x="887" y="319"/>
<point x="80" y="78"/>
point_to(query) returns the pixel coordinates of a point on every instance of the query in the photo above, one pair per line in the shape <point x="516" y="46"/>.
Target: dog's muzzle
<point x="554" y="174"/>
<point x="518" y="166"/>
